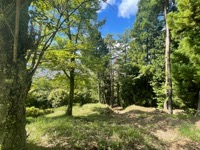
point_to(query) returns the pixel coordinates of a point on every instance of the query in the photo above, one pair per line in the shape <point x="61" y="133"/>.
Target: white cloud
<point x="127" y="8"/>
<point x="106" y="4"/>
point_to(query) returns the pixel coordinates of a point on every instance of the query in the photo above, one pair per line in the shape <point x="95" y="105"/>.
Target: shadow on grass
<point x="31" y="146"/>
<point x="105" y="129"/>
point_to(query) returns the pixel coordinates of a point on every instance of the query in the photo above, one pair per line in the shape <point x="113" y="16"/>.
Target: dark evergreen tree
<point x="185" y="29"/>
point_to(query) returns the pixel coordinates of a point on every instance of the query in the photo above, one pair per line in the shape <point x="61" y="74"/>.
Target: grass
<point x="92" y="127"/>
<point x="96" y="127"/>
<point x="190" y="131"/>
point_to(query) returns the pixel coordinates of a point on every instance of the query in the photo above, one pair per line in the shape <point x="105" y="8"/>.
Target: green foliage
<point x="135" y="88"/>
<point x="157" y="81"/>
<point x="147" y="54"/>
<point x="36" y="112"/>
<point x="58" y="97"/>
<point x="39" y="99"/>
<point x="184" y="26"/>
<point x="84" y="98"/>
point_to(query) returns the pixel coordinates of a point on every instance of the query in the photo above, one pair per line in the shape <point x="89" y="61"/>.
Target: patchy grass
<point x="190" y="131"/>
<point x="98" y="127"/>
<point x="93" y="126"/>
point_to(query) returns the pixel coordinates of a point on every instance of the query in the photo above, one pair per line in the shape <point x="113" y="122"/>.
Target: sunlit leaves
<point x="185" y="29"/>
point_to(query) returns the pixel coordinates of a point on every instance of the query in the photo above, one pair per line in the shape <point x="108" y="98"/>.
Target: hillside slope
<point x="96" y="126"/>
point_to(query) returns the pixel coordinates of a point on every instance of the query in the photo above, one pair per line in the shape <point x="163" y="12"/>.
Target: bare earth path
<point x="160" y="125"/>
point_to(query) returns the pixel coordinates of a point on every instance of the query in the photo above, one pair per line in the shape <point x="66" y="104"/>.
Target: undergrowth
<point x="92" y="126"/>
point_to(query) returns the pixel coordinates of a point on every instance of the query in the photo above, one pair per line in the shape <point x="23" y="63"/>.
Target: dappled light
<point x="99" y="126"/>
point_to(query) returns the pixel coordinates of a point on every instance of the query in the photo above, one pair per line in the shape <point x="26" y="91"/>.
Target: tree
<point x="99" y="56"/>
<point x="111" y="44"/>
<point x="147" y="28"/>
<point x="146" y="51"/>
<point x="168" y="80"/>
<point x="69" y="50"/>
<point x="184" y="25"/>
<point x="14" y="86"/>
<point x="16" y="78"/>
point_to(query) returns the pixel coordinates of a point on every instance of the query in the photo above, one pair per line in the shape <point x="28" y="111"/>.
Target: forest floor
<point x="98" y="127"/>
<point x="176" y="132"/>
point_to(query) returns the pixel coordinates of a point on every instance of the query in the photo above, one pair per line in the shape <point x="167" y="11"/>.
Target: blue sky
<point x="119" y="17"/>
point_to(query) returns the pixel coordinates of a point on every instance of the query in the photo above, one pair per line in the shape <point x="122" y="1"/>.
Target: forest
<point x="64" y="85"/>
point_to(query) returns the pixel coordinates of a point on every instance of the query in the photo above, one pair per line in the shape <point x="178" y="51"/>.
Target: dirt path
<point x="160" y="125"/>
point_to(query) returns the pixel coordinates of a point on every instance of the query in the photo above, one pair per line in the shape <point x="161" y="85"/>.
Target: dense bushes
<point x="84" y="98"/>
<point x="35" y="112"/>
<point x="136" y="88"/>
<point x="38" y="99"/>
<point x="58" y="97"/>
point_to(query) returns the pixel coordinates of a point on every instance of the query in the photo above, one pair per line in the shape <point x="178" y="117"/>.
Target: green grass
<point x="95" y="126"/>
<point x="190" y="131"/>
<point x="92" y="126"/>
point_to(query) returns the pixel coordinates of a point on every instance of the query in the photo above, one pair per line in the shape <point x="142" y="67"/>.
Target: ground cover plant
<point x="96" y="126"/>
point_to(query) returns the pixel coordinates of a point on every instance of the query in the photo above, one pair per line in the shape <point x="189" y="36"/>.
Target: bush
<point x="38" y="99"/>
<point x="84" y="98"/>
<point x="35" y="112"/>
<point x="58" y="97"/>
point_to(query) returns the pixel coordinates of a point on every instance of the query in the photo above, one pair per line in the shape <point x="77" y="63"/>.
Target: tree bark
<point x="14" y="85"/>
<point x="16" y="35"/>
<point x="168" y="81"/>
<point x="99" y="87"/>
<point x="118" y="93"/>
<point x="198" y="108"/>
<point x="112" y="87"/>
<point x="71" y="92"/>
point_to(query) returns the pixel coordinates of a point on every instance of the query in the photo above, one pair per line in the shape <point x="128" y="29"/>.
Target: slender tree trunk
<point x="16" y="35"/>
<point x="99" y="87"/>
<point x="99" y="90"/>
<point x="112" y="88"/>
<point x="71" y="92"/>
<point x="168" y="81"/>
<point x="111" y="78"/>
<point x="118" y="94"/>
<point x="198" y="108"/>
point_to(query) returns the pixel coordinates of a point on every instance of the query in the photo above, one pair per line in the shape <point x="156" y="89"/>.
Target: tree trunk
<point x="118" y="94"/>
<point x="13" y="119"/>
<point x="99" y="88"/>
<point x="16" y="35"/>
<point x="71" y="92"/>
<point x="168" y="81"/>
<point x="198" y="108"/>
<point x="112" y="88"/>
<point x="13" y="77"/>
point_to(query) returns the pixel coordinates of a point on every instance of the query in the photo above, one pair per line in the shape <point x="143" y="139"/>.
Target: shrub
<point x="38" y="99"/>
<point x="58" y="97"/>
<point x="84" y="98"/>
<point x="35" y="112"/>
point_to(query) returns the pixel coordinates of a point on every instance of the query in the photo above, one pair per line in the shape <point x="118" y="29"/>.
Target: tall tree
<point x="146" y="47"/>
<point x="69" y="51"/>
<point x="184" y="25"/>
<point x="13" y="81"/>
<point x="16" y="78"/>
<point x="110" y="41"/>
<point x="99" y="55"/>
<point x="147" y="27"/>
<point x="168" y="80"/>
